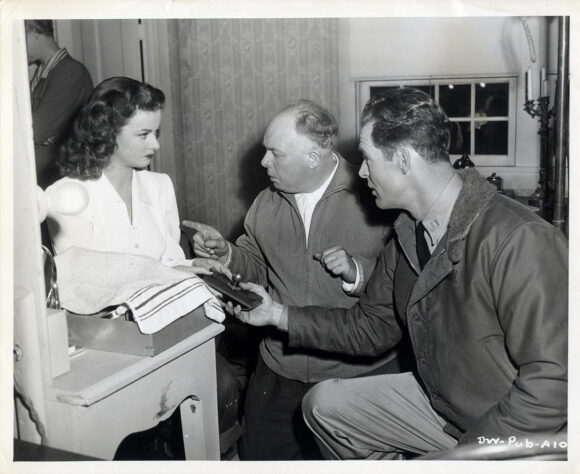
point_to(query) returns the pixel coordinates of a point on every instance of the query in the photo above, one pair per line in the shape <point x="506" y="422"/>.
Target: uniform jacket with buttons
<point x="273" y="252"/>
<point x="487" y="316"/>
<point x="105" y="225"/>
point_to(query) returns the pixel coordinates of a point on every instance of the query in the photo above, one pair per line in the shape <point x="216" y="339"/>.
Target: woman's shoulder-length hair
<point x="93" y="135"/>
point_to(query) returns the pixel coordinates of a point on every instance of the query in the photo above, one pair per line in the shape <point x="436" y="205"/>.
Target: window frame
<point x="363" y="87"/>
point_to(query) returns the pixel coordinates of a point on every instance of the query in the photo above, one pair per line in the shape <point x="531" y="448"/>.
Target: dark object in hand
<point x="231" y="291"/>
<point x="237" y="278"/>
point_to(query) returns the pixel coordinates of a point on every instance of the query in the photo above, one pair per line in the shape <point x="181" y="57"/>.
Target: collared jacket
<point x="104" y="224"/>
<point x="273" y="252"/>
<point x="487" y="316"/>
<point x="55" y="100"/>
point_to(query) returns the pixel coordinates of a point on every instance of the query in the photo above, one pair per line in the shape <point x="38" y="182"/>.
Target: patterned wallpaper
<point x="229" y="76"/>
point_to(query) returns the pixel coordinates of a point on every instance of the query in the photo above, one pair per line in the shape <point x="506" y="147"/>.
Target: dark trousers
<point x="228" y="394"/>
<point x="273" y="426"/>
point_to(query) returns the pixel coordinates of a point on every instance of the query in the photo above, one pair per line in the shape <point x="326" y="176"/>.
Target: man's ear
<point x="313" y="159"/>
<point x="402" y="158"/>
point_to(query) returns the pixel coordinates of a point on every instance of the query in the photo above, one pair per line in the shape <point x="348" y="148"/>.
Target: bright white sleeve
<point x="355" y="287"/>
<point x="173" y="254"/>
<point x="70" y="231"/>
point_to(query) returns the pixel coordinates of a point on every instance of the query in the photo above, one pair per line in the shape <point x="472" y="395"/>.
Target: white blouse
<point x="104" y="225"/>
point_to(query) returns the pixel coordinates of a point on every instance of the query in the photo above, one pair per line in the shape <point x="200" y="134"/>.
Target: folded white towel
<point x="157" y="295"/>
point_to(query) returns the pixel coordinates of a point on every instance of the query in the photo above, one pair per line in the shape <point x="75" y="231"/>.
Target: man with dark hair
<point x="476" y="280"/>
<point x="59" y="87"/>
<point x="302" y="233"/>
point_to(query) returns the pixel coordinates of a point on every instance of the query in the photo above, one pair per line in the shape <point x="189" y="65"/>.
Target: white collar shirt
<point x="306" y="202"/>
<point x="437" y="217"/>
<point x="105" y="225"/>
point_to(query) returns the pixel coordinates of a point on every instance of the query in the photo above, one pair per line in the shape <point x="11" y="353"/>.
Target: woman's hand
<point x="205" y="266"/>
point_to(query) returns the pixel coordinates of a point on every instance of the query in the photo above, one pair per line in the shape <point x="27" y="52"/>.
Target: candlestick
<point x="543" y="82"/>
<point x="529" y="84"/>
<point x="546" y="88"/>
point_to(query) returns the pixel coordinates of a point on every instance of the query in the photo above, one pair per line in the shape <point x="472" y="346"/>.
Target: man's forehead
<point x="365" y="138"/>
<point x="282" y="124"/>
<point x="286" y="119"/>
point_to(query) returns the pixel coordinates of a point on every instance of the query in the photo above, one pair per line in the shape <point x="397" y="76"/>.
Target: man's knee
<point x="321" y="401"/>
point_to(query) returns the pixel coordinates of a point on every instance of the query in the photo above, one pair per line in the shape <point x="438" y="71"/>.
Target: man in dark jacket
<point x="58" y="88"/>
<point x="477" y="281"/>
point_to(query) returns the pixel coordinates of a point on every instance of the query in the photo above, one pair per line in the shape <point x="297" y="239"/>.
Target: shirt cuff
<point x="353" y="288"/>
<point x="281" y="315"/>
<point x="177" y="263"/>
<point x="228" y="256"/>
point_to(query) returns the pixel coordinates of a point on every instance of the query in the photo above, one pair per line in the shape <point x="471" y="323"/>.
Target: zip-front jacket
<point x="274" y="253"/>
<point x="487" y="316"/>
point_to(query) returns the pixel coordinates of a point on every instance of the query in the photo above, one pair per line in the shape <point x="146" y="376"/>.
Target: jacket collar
<point x="345" y="177"/>
<point x="473" y="198"/>
<point x="475" y="195"/>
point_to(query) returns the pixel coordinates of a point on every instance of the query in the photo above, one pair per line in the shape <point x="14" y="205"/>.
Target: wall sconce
<point x="540" y="108"/>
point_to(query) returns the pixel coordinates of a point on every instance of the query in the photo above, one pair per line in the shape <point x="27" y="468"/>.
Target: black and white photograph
<point x="238" y="232"/>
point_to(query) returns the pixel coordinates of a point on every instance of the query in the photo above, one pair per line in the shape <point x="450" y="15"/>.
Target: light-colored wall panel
<point x="31" y="370"/>
<point x="106" y="47"/>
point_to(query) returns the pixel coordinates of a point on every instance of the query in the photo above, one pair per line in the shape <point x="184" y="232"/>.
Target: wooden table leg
<point x="192" y="425"/>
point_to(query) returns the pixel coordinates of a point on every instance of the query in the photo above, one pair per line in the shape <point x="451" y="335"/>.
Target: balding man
<point x="309" y="240"/>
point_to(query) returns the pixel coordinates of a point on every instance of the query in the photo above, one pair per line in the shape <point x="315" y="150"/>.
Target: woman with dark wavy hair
<point x="92" y="145"/>
<point x="131" y="210"/>
<point x="113" y="140"/>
